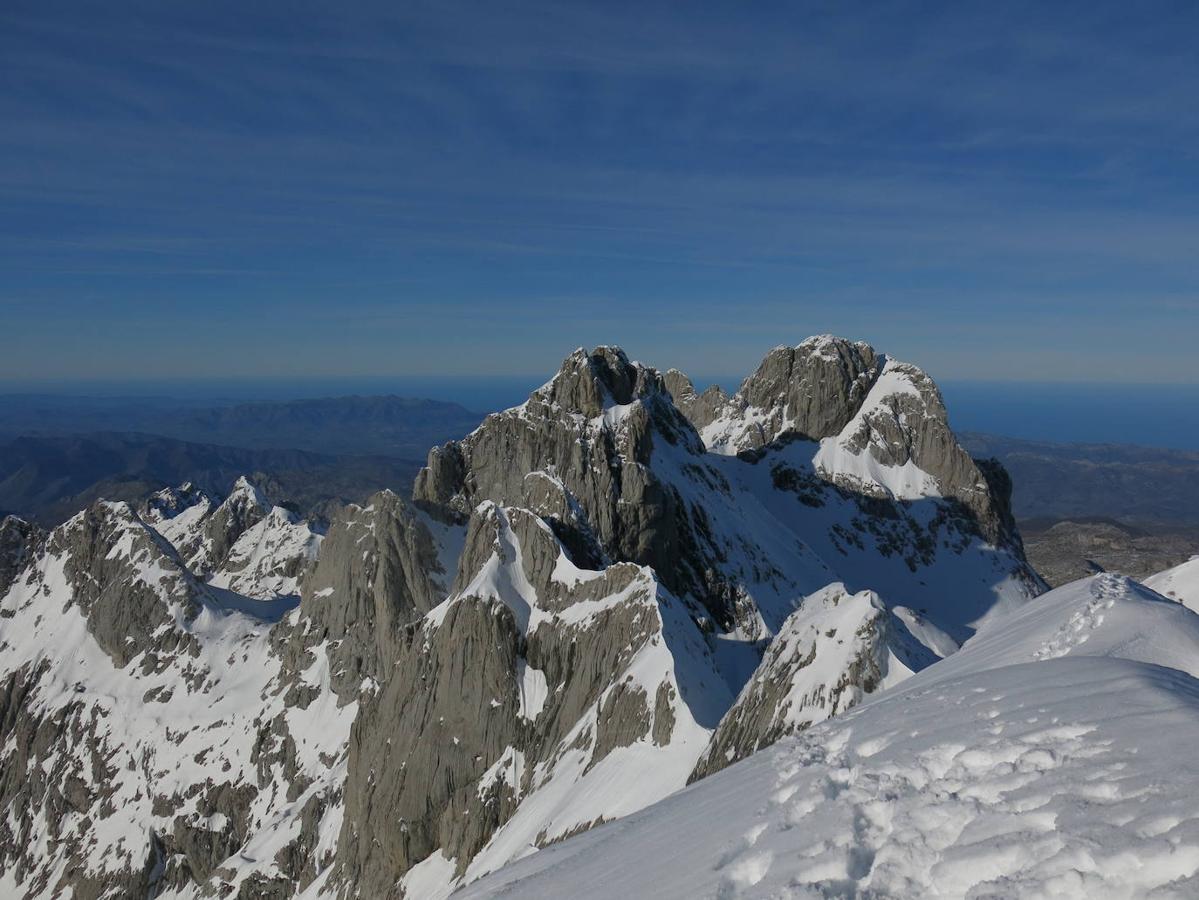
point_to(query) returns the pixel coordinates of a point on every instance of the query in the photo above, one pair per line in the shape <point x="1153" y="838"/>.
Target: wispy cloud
<point x="709" y="170"/>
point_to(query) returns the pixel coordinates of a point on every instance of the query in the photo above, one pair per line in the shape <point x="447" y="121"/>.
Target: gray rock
<point x="419" y="748"/>
<point x="378" y="571"/>
<point x="814" y="388"/>
<point x="830" y="653"/>
<point x="700" y="409"/>
<point x="19" y="542"/>
<point x="558" y="646"/>
<point x="244" y="508"/>
<point x="901" y="427"/>
<point x="129" y="584"/>
<point x="578" y="454"/>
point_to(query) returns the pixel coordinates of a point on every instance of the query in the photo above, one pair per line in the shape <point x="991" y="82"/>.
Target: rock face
<point x="582" y="607"/>
<point x="536" y="682"/>
<point x="702" y="409"/>
<point x="145" y="736"/>
<point x="19" y="541"/>
<point x="378" y="573"/>
<point x="813" y="389"/>
<point x="882" y="427"/>
<point x="578" y="453"/>
<point x="830" y="653"/>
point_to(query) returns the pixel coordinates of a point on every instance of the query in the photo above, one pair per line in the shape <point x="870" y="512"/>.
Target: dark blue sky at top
<point x="992" y="190"/>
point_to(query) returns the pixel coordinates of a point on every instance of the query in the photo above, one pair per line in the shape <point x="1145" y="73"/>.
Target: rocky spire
<point x="578" y="453"/>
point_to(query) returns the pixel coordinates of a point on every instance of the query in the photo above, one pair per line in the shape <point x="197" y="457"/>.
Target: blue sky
<point x="995" y="191"/>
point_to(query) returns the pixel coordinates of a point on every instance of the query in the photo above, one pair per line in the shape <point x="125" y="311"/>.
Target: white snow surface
<point x="163" y="732"/>
<point x="1180" y="583"/>
<point x="266" y="561"/>
<point x="1053" y="756"/>
<point x="269" y="558"/>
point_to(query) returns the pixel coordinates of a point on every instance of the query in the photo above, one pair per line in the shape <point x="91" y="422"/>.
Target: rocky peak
<point x="899" y="444"/>
<point x="245" y="543"/>
<point x="813" y="388"/>
<point x="587" y="383"/>
<point x="171" y="501"/>
<point x="700" y="409"/>
<point x="19" y="541"/>
<point x="378" y="571"/>
<point x="536" y="682"/>
<point x="608" y="390"/>
<point x="834" y="650"/>
<point x="613" y="588"/>
<point x="578" y="454"/>
<point x="881" y="426"/>
<point x="128" y="583"/>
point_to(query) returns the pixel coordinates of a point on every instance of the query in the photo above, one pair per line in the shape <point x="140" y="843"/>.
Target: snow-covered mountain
<point x="590" y="601"/>
<point x="245" y="543"/>
<point x="1050" y="757"/>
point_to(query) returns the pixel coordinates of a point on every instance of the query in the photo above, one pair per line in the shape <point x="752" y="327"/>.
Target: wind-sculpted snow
<point x="1069" y="774"/>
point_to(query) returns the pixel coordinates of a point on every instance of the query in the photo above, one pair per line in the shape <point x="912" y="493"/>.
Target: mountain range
<point x="49" y="478"/>
<point x="391" y="426"/>
<point x="626" y="638"/>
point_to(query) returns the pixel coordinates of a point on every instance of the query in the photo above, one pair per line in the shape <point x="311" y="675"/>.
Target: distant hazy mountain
<point x="1137" y="485"/>
<point x="386" y="425"/>
<point x="49" y="478"/>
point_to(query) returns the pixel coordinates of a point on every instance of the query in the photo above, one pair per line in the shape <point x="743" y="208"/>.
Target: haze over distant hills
<point x="1082" y="507"/>
<point x="49" y="478"/>
<point x="383" y="425"/>
<point x="1136" y="484"/>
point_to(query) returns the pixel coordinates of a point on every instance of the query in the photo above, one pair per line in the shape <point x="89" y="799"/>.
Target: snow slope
<point x="1180" y="583"/>
<point x="245" y="543"/>
<point x="191" y="745"/>
<point x="1053" y="756"/>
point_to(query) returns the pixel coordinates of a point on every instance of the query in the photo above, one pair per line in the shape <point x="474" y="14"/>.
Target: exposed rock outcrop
<point x="378" y="572"/>
<point x="143" y="725"/>
<point x="19" y="541"/>
<point x="578" y="453"/>
<point x="523" y="683"/>
<point x="881" y="424"/>
<point x="700" y="409"/>
<point x="830" y="653"/>
<point x="244" y="543"/>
